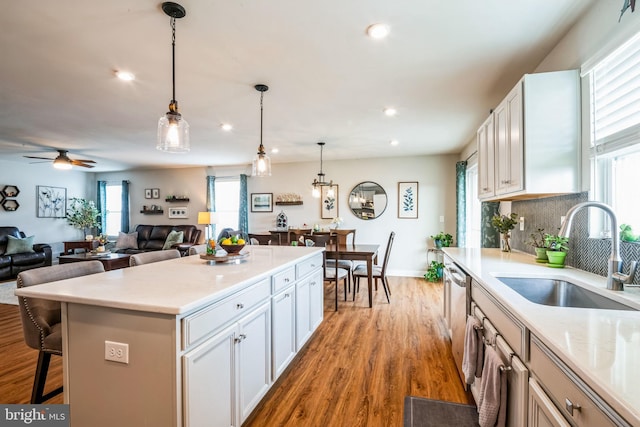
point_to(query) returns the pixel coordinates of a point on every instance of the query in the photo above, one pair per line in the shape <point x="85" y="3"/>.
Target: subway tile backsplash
<point x="584" y="253"/>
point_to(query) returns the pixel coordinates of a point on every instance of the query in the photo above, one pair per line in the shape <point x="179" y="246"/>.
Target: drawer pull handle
<point x="239" y="306"/>
<point x="313" y="283"/>
<point x="286" y="280"/>
<point x="313" y="265"/>
<point x="571" y="406"/>
<point x="287" y="295"/>
<point x="242" y="337"/>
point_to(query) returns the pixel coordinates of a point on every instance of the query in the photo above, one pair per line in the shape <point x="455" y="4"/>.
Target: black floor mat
<point x="420" y="412"/>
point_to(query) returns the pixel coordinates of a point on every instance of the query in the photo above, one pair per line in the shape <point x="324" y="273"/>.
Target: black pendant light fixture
<point x="173" y="129"/>
<point x="262" y="162"/>
<point x="319" y="182"/>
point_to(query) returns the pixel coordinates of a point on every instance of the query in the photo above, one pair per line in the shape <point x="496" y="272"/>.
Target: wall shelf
<point x="152" y="212"/>
<point x="299" y="202"/>
<point x="10" y="191"/>
<point x="176" y="199"/>
<point x="10" y="205"/>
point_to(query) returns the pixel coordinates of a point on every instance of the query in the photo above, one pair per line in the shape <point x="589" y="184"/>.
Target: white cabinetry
<point x="283" y="329"/>
<point x="536" y="139"/>
<point x="309" y="307"/>
<point x="542" y="412"/>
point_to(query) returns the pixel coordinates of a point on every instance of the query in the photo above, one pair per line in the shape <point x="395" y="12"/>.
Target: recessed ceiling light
<point x="226" y="126"/>
<point x="125" y="75"/>
<point x="390" y="111"/>
<point x="378" y="31"/>
<point x="274" y="150"/>
<point x="394" y="142"/>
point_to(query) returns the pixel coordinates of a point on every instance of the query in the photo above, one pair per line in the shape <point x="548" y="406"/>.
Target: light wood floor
<point x="355" y="370"/>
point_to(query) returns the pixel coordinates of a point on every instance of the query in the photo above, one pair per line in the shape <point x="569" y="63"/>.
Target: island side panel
<point x="143" y="392"/>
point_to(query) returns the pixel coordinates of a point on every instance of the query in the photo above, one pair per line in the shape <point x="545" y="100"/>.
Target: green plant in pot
<point x="434" y="272"/>
<point x="83" y="214"/>
<point x="504" y="224"/>
<point x="442" y="240"/>
<point x="557" y="247"/>
<point x="538" y="242"/>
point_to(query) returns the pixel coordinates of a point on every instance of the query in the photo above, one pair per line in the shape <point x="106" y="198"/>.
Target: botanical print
<point x="51" y="201"/>
<point x="329" y="202"/>
<point x="407" y="200"/>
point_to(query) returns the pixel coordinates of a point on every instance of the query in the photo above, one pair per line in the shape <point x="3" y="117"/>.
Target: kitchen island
<point x="184" y="342"/>
<point x="597" y="350"/>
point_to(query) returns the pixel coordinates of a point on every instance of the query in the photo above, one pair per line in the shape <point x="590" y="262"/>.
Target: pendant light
<point x="173" y="129"/>
<point x="262" y="162"/>
<point x="319" y="182"/>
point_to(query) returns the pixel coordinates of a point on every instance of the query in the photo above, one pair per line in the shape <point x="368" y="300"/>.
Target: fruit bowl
<point x="232" y="249"/>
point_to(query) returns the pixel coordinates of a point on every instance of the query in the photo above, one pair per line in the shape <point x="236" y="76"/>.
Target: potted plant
<point x="557" y="247"/>
<point x="442" y="240"/>
<point x="504" y="224"/>
<point x="434" y="272"/>
<point x="537" y="241"/>
<point x="83" y="214"/>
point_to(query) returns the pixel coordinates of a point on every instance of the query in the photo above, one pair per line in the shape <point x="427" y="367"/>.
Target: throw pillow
<point x="16" y="245"/>
<point x="127" y="241"/>
<point x="173" y="238"/>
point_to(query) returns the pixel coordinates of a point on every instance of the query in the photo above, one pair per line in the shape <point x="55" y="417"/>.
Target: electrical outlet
<point x="521" y="223"/>
<point x="116" y="352"/>
<point x="441" y="218"/>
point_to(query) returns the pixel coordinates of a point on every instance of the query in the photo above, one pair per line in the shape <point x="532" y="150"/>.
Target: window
<point x="473" y="208"/>
<point x="114" y="209"/>
<point x="615" y="136"/>
<point x="227" y="202"/>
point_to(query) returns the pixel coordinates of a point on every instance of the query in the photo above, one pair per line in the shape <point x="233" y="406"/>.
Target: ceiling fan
<point x="64" y="162"/>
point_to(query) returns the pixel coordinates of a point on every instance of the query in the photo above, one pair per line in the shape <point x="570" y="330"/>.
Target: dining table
<point x="359" y="252"/>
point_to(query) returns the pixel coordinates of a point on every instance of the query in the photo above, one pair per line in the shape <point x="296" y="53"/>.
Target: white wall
<point x="26" y="177"/>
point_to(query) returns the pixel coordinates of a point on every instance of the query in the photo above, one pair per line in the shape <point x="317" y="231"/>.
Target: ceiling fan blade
<point x="81" y="163"/>
<point x="41" y="158"/>
<point x="84" y="161"/>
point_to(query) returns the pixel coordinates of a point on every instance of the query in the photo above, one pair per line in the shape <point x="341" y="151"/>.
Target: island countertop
<point x="175" y="286"/>
<point x="600" y="346"/>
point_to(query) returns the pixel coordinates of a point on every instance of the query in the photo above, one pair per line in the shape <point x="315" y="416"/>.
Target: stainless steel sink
<point x="560" y="293"/>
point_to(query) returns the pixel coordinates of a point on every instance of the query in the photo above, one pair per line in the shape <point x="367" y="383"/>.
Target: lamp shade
<point x="207" y="218"/>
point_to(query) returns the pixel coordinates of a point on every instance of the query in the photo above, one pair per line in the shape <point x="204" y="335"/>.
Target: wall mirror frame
<point x="368" y="200"/>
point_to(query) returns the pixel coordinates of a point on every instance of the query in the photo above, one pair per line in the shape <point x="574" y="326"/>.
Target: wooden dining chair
<point x="377" y="272"/>
<point x="262" y="239"/>
<point x="276" y="237"/>
<point x="332" y="273"/>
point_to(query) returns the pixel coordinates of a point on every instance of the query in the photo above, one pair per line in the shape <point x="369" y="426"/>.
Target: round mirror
<point x="367" y="200"/>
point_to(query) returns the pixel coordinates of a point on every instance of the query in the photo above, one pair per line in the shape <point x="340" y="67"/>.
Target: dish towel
<point x="473" y="350"/>
<point x="492" y="401"/>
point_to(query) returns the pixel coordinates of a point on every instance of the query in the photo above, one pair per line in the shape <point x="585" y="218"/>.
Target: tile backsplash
<point x="584" y="253"/>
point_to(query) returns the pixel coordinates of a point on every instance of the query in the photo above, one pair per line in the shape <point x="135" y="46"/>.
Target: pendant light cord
<point x="173" y="57"/>
<point x="261" y="150"/>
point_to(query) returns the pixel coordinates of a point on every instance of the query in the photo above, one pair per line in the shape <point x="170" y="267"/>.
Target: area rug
<point x="6" y="293"/>
<point x="420" y="412"/>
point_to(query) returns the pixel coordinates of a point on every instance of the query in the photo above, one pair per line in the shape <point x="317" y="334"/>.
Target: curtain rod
<point x="471" y="155"/>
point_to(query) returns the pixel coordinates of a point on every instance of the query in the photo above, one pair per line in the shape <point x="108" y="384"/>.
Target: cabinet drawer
<point x="206" y="321"/>
<point x="565" y="388"/>
<point x="308" y="265"/>
<point x="283" y="279"/>
<point x="511" y="330"/>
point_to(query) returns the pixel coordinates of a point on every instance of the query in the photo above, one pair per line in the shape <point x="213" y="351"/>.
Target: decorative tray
<point x="99" y="254"/>
<point x="225" y="258"/>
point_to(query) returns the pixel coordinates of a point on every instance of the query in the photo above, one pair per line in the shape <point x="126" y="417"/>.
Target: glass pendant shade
<point x="173" y="134"/>
<point x="316" y="192"/>
<point x="261" y="165"/>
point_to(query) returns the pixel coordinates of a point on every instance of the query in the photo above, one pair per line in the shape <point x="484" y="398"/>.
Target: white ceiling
<point x="444" y="66"/>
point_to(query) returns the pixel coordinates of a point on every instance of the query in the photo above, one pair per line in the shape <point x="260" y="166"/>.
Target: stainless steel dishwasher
<point x="458" y="283"/>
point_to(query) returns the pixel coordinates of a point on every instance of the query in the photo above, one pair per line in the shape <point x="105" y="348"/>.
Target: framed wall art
<point x="147" y="193"/>
<point x="329" y="201"/>
<point x="408" y="200"/>
<point x="51" y="202"/>
<point x="261" y="202"/>
<point x="155" y="193"/>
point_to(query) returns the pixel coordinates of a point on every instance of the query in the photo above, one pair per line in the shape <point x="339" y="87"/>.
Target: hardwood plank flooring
<point x="355" y="370"/>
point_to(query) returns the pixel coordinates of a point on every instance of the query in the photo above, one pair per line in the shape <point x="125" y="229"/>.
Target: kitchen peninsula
<point x="583" y="362"/>
<point x="184" y="342"/>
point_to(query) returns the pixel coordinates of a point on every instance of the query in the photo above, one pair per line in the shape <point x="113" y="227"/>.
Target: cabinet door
<point x="486" y="159"/>
<point x="542" y="412"/>
<point x="209" y="378"/>
<point x="254" y="358"/>
<point x="509" y="143"/>
<point x="303" y="316"/>
<point x="316" y="300"/>
<point x="283" y="329"/>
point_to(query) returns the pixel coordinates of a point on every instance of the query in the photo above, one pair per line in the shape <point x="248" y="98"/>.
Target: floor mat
<point x="420" y="412"/>
<point x="6" y="293"/>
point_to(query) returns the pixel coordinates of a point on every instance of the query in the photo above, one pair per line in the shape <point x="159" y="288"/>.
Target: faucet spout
<point x="614" y="262"/>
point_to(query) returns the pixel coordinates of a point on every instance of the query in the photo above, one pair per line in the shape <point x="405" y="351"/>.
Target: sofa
<point x="153" y="238"/>
<point x="28" y="257"/>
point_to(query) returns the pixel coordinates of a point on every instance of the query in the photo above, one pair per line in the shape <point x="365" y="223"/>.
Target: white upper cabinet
<point x="530" y="145"/>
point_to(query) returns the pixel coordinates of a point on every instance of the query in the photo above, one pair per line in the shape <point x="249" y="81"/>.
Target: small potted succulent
<point x="504" y="224"/>
<point x="557" y="247"/>
<point x="442" y="240"/>
<point x="538" y="242"/>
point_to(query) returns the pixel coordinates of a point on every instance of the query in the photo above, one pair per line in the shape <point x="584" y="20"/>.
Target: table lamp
<point x="208" y="218"/>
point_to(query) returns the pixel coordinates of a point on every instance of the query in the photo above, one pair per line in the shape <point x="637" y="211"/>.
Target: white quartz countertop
<point x="172" y="287"/>
<point x="601" y="346"/>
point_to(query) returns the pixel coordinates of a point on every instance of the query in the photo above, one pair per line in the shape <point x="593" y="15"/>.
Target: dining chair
<point x="42" y="320"/>
<point x="276" y="238"/>
<point x="198" y="249"/>
<point x="261" y="239"/>
<point x="153" y="256"/>
<point x="332" y="273"/>
<point x="377" y="272"/>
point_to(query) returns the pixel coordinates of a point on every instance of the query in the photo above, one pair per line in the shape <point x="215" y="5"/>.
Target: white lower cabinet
<point x="283" y="331"/>
<point x="542" y="412"/>
<point x="229" y="373"/>
<point x="309" y="307"/>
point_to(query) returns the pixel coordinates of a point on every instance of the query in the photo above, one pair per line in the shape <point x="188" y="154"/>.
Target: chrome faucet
<point x="615" y="278"/>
